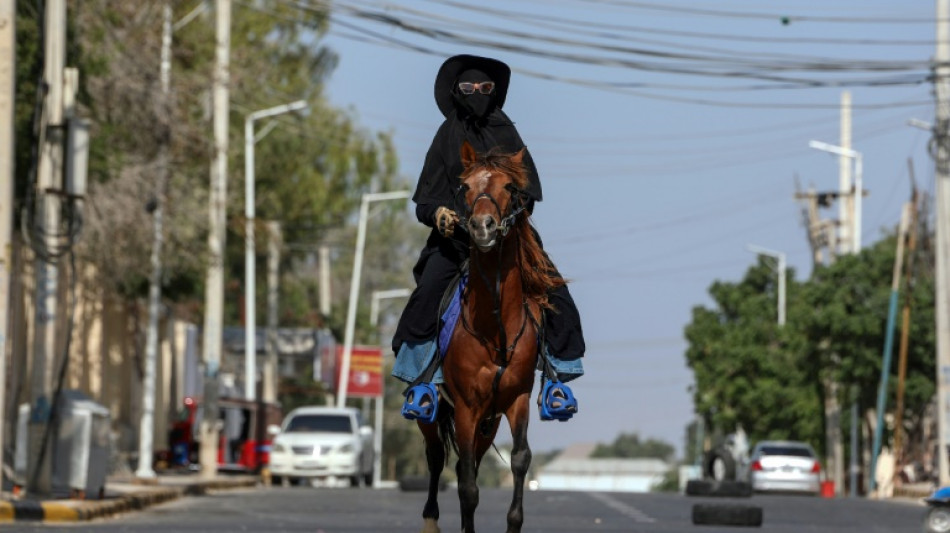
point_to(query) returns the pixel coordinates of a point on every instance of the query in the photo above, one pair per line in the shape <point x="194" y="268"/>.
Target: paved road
<point x="326" y="510"/>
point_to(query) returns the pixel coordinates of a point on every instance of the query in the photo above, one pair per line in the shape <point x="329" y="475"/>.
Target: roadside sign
<point x="366" y="371"/>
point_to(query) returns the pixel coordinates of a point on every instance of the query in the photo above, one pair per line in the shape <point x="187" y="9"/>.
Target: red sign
<point x="366" y="371"/>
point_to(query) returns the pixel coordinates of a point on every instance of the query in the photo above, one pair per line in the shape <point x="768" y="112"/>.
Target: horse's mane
<point x="538" y="273"/>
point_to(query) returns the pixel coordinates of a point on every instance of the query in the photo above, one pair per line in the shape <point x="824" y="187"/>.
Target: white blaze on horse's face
<point x="484" y="221"/>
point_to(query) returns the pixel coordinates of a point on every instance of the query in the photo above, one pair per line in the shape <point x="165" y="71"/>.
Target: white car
<point x="785" y="466"/>
<point x="323" y="443"/>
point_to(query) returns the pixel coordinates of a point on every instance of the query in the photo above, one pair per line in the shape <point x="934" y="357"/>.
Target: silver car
<point x="785" y="466"/>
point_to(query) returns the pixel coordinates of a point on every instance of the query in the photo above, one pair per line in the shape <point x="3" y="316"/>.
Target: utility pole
<point x="942" y="231"/>
<point x="214" y="292"/>
<point x="7" y="158"/>
<point x="846" y="237"/>
<point x="889" y="342"/>
<point x="905" y="320"/>
<point x="48" y="186"/>
<point x="147" y="421"/>
<point x="269" y="385"/>
<point x="821" y="233"/>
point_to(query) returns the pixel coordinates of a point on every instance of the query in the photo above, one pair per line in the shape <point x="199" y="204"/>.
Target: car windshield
<point x="319" y="423"/>
<point x="792" y="451"/>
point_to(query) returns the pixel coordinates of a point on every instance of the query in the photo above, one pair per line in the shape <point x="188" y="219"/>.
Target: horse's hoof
<point x="431" y="526"/>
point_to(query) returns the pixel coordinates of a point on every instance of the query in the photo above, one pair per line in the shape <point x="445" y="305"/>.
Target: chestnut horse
<point x="490" y="363"/>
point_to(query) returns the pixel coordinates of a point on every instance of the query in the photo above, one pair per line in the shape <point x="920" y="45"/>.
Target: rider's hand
<point x="445" y="221"/>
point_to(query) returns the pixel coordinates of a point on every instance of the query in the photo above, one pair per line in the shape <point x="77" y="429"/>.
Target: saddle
<point x="556" y="401"/>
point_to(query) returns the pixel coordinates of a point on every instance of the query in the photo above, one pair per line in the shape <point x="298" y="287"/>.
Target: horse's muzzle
<point x="483" y="229"/>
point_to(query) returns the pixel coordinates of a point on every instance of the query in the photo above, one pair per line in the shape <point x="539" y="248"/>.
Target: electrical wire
<point x="785" y="18"/>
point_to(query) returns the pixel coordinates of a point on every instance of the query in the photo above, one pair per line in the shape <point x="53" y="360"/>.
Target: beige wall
<point x="106" y="354"/>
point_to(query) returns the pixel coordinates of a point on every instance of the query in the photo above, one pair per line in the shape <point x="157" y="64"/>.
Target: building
<point x="574" y="469"/>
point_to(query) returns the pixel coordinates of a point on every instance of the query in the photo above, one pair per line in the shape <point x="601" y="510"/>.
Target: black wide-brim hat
<point x="455" y="65"/>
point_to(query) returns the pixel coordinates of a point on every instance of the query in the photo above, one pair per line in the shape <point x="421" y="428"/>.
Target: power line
<point x="781" y="17"/>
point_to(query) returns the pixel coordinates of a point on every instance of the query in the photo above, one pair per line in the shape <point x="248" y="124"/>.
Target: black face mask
<point x="476" y="104"/>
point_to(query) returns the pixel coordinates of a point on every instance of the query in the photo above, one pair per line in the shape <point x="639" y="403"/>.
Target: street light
<point x="858" y="185"/>
<point x="250" y="321"/>
<point x="378" y="435"/>
<point x="355" y="286"/>
<point x="147" y="420"/>
<point x="780" y="257"/>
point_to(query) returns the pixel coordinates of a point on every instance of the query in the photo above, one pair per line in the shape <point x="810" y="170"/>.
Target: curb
<point x="73" y="510"/>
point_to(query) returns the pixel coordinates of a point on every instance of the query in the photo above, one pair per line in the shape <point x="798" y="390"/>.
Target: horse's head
<point x="492" y="185"/>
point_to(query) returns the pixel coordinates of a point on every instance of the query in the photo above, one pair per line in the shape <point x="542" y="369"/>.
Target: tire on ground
<point x="718" y="514"/>
<point x="724" y="489"/>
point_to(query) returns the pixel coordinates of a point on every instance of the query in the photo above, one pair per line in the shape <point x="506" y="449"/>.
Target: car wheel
<point x="354" y="481"/>
<point x="938" y="520"/>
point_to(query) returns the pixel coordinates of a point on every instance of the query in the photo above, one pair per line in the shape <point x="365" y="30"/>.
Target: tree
<point x="750" y="371"/>
<point x="311" y="170"/>
<point x="629" y="446"/>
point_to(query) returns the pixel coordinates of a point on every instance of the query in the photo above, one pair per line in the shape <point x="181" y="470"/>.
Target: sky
<point x="668" y="137"/>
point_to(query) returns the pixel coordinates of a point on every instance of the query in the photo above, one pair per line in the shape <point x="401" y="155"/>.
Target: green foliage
<point x="670" y="482"/>
<point x="629" y="446"/>
<point x="311" y="168"/>
<point x="767" y="378"/>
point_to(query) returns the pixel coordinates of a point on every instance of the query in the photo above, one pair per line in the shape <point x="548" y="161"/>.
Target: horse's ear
<point x="468" y="154"/>
<point x="517" y="158"/>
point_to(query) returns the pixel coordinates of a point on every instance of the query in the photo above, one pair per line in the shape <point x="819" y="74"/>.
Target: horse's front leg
<point x="466" y="468"/>
<point x="435" y="459"/>
<point x="518" y="415"/>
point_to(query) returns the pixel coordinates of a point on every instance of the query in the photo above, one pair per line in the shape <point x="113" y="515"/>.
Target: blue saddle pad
<point x="413" y="359"/>
<point x="451" y="316"/>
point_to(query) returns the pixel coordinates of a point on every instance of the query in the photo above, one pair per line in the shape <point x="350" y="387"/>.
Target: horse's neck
<point x="495" y="278"/>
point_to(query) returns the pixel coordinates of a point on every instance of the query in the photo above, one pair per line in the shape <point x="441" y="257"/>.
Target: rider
<point x="470" y="92"/>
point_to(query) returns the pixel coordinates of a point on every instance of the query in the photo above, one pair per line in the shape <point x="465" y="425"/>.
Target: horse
<point x="490" y="362"/>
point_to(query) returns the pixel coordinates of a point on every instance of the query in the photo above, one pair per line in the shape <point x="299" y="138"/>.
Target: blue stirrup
<point x="557" y="401"/>
<point x="422" y="403"/>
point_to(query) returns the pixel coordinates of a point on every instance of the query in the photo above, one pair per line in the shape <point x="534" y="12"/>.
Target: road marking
<point x="630" y="512"/>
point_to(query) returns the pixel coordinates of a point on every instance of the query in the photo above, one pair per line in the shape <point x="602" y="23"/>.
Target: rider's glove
<point x="445" y="221"/>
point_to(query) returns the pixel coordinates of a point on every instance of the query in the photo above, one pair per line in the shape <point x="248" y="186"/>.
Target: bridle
<point x="503" y="349"/>
<point x="506" y="222"/>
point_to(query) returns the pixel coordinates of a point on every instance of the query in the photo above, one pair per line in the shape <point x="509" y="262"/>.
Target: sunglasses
<point x="485" y="87"/>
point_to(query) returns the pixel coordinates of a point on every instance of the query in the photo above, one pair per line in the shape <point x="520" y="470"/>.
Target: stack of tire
<point x="719" y="471"/>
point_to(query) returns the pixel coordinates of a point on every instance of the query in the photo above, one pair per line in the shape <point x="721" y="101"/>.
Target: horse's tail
<point x="447" y="429"/>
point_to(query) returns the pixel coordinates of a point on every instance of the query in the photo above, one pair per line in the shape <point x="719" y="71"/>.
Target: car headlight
<point x="347" y="448"/>
<point x="279" y="448"/>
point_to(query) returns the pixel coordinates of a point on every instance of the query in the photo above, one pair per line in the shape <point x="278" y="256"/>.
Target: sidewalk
<point x="121" y="495"/>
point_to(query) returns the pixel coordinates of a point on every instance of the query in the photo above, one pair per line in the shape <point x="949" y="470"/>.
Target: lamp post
<point x="250" y="320"/>
<point x="378" y="435"/>
<point x="355" y="286"/>
<point x="780" y="257"/>
<point x="855" y="248"/>
<point x="855" y="156"/>
<point x="147" y="420"/>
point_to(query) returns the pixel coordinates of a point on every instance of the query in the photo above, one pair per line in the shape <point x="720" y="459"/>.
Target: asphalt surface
<point x="345" y="510"/>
